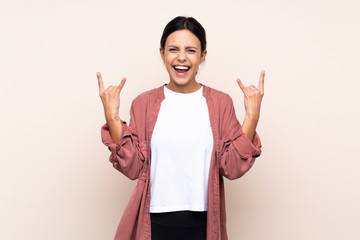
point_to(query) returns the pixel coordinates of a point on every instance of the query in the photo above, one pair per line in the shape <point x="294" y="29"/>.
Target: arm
<point x="249" y="127"/>
<point x="241" y="145"/>
<point x="115" y="128"/>
<point x="123" y="141"/>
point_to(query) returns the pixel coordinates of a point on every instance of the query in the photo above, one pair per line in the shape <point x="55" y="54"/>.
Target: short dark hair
<point x="180" y="23"/>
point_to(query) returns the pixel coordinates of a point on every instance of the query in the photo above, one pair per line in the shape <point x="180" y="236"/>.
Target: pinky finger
<point x="121" y="85"/>
<point x="243" y="88"/>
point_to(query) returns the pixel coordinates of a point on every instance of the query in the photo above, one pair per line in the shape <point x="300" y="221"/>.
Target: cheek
<point x="169" y="59"/>
<point x="196" y="60"/>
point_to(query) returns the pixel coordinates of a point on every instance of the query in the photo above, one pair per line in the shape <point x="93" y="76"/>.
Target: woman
<point x="183" y="137"/>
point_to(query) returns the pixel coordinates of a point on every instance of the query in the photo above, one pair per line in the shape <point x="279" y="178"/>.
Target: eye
<point x="191" y="51"/>
<point x="172" y="49"/>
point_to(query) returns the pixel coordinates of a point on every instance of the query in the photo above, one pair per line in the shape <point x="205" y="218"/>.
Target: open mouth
<point x="181" y="69"/>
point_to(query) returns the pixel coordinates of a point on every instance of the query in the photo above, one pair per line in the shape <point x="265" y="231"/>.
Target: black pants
<point x="180" y="225"/>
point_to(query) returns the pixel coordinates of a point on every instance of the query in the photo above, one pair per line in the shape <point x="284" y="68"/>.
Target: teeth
<point x="181" y="67"/>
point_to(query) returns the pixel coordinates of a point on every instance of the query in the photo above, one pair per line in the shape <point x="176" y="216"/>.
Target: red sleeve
<point x="237" y="152"/>
<point x="127" y="154"/>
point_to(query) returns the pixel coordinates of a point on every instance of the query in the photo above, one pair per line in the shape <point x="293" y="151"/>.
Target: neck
<point x="188" y="88"/>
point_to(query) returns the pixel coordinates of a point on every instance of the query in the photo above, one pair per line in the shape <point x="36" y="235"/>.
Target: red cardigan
<point x="233" y="155"/>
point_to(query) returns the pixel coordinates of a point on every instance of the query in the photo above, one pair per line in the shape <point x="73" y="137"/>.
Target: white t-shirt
<point x="181" y="148"/>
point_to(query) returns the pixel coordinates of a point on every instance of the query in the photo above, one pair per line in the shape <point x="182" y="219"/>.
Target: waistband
<point x="180" y="218"/>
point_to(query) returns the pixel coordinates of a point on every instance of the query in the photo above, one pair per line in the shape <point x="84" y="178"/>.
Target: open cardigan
<point x="233" y="155"/>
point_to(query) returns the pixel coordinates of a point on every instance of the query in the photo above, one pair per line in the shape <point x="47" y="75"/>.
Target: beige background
<point x="55" y="178"/>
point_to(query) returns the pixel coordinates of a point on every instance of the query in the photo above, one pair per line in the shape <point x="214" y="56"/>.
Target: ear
<point x="162" y="54"/>
<point x="203" y="55"/>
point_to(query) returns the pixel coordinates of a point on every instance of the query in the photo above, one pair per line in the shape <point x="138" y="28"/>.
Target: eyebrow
<point x="178" y="47"/>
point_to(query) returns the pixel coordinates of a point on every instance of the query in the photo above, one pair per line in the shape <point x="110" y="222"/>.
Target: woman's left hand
<point x="253" y="97"/>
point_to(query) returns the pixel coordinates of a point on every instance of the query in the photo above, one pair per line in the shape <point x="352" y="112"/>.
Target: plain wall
<point x="55" y="178"/>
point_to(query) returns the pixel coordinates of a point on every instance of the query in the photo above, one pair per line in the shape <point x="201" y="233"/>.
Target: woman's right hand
<point x="110" y="99"/>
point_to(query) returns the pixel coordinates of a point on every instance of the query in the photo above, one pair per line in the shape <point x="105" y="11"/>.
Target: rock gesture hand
<point x="253" y="97"/>
<point x="110" y="98"/>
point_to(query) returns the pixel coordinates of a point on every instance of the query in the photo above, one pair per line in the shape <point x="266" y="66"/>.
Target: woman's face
<point x="182" y="57"/>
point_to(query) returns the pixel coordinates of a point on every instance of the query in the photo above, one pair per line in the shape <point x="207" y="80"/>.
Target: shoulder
<point x="142" y="100"/>
<point x="219" y="97"/>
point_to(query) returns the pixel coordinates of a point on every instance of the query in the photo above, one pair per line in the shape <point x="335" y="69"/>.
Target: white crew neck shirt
<point x="181" y="149"/>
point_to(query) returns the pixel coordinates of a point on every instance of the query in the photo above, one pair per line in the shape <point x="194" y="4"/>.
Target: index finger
<point x="100" y="82"/>
<point x="261" y="81"/>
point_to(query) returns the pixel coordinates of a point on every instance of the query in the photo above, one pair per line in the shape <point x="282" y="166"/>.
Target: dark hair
<point x="180" y="23"/>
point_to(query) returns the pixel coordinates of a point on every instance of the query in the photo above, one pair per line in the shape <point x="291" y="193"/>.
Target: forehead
<point x="183" y="38"/>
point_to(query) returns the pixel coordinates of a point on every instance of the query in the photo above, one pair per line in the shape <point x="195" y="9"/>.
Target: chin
<point x="181" y="82"/>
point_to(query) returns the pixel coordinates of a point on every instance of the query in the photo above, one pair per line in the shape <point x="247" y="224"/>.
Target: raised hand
<point x="110" y="98"/>
<point x="253" y="97"/>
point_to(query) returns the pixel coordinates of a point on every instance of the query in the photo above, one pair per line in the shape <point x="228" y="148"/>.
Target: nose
<point x="181" y="56"/>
